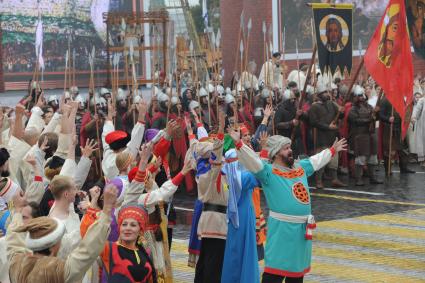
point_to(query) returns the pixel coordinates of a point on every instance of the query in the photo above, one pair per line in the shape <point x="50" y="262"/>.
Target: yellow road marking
<point x="369" y="257"/>
<point x="358" y="274"/>
<point x="393" y="219"/>
<point x="367" y="200"/>
<point x="369" y="243"/>
<point x="357" y="227"/>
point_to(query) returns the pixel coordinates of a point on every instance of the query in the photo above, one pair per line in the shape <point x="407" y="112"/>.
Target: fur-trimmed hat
<point x="43" y="232"/>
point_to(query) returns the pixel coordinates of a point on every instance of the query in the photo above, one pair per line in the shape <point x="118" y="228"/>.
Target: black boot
<point x="404" y="160"/>
<point x="373" y="180"/>
<point x="359" y="175"/>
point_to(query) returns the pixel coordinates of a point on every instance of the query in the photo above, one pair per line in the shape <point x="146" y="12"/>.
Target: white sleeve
<point x="153" y="197"/>
<point x="68" y="168"/>
<point x="136" y="139"/>
<point x="36" y="121"/>
<point x="320" y="159"/>
<point x="54" y="122"/>
<point x="82" y="171"/>
<point x="250" y="159"/>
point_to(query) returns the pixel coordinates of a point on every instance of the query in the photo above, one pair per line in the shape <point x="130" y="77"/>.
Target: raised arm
<point x="322" y="158"/>
<point x="167" y="189"/>
<point x="246" y="155"/>
<point x="81" y="258"/>
<point x="35" y="190"/>
<point x="138" y="130"/>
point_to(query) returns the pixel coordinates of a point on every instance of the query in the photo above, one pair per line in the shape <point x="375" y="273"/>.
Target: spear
<point x="134" y="78"/>
<point x="298" y="62"/>
<point x="73" y="67"/>
<point x="91" y="62"/>
<point x="249" y="27"/>
<point x="241" y="23"/>
<point x="215" y="68"/>
<point x="66" y="69"/>
<point x="265" y="51"/>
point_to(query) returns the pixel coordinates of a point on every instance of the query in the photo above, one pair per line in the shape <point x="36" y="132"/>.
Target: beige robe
<point x="26" y="267"/>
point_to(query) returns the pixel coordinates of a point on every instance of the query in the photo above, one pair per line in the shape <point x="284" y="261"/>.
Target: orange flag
<point x="388" y="60"/>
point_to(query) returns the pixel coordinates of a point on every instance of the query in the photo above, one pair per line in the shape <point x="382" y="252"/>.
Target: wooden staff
<point x="347" y="97"/>
<point x="303" y="94"/>
<point x="73" y="68"/>
<point x="241" y="23"/>
<point x="391" y="141"/>
<point x="66" y="69"/>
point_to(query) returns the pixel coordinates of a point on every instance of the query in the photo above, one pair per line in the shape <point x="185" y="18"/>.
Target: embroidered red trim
<point x="38" y="179"/>
<point x="239" y="145"/>
<point x="295" y="173"/>
<point x="285" y="273"/>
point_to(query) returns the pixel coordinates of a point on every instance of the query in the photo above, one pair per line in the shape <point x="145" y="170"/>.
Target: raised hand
<point x="268" y="110"/>
<point x="145" y="152"/>
<point x="30" y="159"/>
<point x="340" y="145"/>
<point x="235" y="134"/>
<point x="44" y="146"/>
<point x="142" y="108"/>
<point x="110" y="195"/>
<point x="264" y="136"/>
<point x="89" y="148"/>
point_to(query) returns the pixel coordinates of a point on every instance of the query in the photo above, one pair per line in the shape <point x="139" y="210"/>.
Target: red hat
<point x="244" y="130"/>
<point x="117" y="139"/>
<point x="132" y="173"/>
<point x="137" y="212"/>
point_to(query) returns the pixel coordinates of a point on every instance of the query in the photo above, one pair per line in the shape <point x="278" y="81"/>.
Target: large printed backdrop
<point x="80" y="20"/>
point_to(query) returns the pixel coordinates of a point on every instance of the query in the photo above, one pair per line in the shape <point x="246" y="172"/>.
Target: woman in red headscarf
<point x="127" y="261"/>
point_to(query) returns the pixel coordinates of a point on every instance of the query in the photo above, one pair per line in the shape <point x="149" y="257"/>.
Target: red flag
<point x="388" y="60"/>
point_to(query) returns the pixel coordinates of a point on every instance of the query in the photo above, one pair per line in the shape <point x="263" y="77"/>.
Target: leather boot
<point x="373" y="180"/>
<point x="335" y="182"/>
<point x="359" y="175"/>
<point x="403" y="166"/>
<point x="319" y="183"/>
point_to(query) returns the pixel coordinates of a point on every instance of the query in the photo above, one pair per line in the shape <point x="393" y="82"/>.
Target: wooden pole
<point x="303" y="94"/>
<point x="351" y="87"/>
<point x="390" y="144"/>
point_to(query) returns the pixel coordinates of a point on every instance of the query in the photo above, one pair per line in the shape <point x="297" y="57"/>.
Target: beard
<point x="288" y="159"/>
<point x="5" y="173"/>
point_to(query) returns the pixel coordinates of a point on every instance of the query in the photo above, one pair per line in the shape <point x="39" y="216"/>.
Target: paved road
<point x="364" y="234"/>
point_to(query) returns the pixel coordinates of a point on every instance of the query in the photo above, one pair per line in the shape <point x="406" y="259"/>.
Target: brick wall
<point x="259" y="11"/>
<point x="1" y="63"/>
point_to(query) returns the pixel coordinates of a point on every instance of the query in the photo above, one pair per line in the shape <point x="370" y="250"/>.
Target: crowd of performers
<point x="86" y="187"/>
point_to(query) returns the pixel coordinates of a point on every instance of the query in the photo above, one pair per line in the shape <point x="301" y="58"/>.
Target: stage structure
<point x="136" y="48"/>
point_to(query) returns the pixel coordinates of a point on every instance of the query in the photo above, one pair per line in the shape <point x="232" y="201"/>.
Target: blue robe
<point x="240" y="257"/>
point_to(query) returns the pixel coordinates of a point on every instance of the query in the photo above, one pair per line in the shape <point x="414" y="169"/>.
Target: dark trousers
<point x="271" y="278"/>
<point x="210" y="262"/>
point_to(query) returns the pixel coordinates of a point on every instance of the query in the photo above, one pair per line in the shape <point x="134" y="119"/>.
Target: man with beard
<point x="362" y="140"/>
<point x="287" y="119"/>
<point x="285" y="186"/>
<point x="325" y="129"/>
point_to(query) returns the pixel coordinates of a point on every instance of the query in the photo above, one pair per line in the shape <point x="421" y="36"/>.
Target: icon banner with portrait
<point x="334" y="36"/>
<point x="415" y="12"/>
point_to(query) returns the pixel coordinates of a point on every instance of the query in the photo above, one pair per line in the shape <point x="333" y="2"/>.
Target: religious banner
<point x="415" y="11"/>
<point x="334" y="36"/>
<point x="388" y="60"/>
